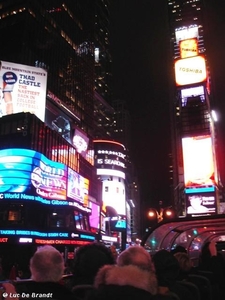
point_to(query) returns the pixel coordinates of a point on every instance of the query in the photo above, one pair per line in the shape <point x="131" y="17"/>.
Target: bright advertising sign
<point x="78" y="187"/>
<point x="29" y="175"/>
<point x="198" y="161"/>
<point x="188" y="48"/>
<point x="185" y="33"/>
<point x="109" y="155"/>
<point x="94" y="217"/>
<point x="201" y="204"/>
<point x="190" y="70"/>
<point x="113" y="195"/>
<point x="23" y="89"/>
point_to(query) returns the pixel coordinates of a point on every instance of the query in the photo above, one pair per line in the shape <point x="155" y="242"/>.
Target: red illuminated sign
<point x="60" y="242"/>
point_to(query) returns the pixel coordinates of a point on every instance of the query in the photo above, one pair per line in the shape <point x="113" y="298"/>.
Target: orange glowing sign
<point x="190" y="70"/>
<point x="198" y="161"/>
<point x="188" y="48"/>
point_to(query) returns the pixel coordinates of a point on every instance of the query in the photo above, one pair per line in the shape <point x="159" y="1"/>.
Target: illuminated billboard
<point x="23" y="89"/>
<point x="78" y="187"/>
<point x="198" y="161"/>
<point x="185" y="33"/>
<point x="94" y="217"/>
<point x="110" y="163"/>
<point x="190" y="70"/>
<point x="192" y="92"/>
<point x="80" y="142"/>
<point x="57" y="119"/>
<point x="109" y="155"/>
<point x="113" y="195"/>
<point x="188" y="48"/>
<point x="200" y="204"/>
<point x="27" y="174"/>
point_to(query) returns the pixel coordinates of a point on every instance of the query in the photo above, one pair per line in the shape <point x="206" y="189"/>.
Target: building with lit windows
<point x="54" y="38"/>
<point x="195" y="166"/>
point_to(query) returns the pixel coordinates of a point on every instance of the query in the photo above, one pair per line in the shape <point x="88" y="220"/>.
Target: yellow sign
<point x="188" y="48"/>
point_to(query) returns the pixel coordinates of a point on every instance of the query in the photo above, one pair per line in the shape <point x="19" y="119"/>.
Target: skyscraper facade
<point x="195" y="166"/>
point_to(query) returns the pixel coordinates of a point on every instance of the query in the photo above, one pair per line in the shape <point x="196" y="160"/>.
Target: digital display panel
<point x="80" y="142"/>
<point x="113" y="195"/>
<point x="94" y="217"/>
<point x="198" y="161"/>
<point x="23" y="89"/>
<point x="192" y="92"/>
<point x="190" y="70"/>
<point x="188" y="48"/>
<point x="27" y="174"/>
<point x="185" y="32"/>
<point x="78" y="187"/>
<point x="109" y="155"/>
<point x="201" y="204"/>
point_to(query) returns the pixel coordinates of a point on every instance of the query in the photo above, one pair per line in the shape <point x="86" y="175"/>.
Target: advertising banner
<point x="201" y="204"/>
<point x="190" y="70"/>
<point x="188" y="48"/>
<point x="29" y="175"/>
<point x="198" y="161"/>
<point x="22" y="89"/>
<point x="78" y="187"/>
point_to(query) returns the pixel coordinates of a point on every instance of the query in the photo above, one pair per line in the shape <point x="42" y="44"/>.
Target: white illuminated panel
<point x="111" y="172"/>
<point x="113" y="195"/>
<point x="190" y="70"/>
<point x="186" y="33"/>
<point x="26" y="87"/>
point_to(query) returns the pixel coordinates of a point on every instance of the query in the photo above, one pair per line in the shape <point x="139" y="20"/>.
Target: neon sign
<point x="28" y="175"/>
<point x="60" y="242"/>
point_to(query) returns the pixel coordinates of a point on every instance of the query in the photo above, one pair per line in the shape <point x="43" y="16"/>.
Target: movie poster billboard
<point x="22" y="89"/>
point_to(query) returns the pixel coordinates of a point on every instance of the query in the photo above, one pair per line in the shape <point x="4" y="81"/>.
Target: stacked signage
<point x="196" y="133"/>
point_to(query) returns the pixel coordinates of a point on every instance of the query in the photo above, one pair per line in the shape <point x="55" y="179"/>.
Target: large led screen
<point x="23" y="89"/>
<point x="198" y="161"/>
<point x="188" y="48"/>
<point x="113" y="195"/>
<point x="190" y="70"/>
<point x="192" y="92"/>
<point x="78" y="187"/>
<point x="29" y="175"/>
<point x="201" y="204"/>
<point x="109" y="155"/>
<point x="186" y="33"/>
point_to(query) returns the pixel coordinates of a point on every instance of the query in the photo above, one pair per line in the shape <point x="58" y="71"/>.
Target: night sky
<point x="142" y="77"/>
<point x="141" y="74"/>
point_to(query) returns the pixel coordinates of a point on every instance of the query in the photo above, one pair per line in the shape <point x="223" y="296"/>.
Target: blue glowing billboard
<point x="29" y="175"/>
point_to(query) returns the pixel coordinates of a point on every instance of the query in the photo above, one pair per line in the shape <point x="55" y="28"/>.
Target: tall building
<point x="57" y="38"/>
<point x="195" y="166"/>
